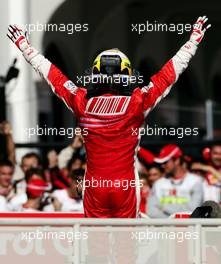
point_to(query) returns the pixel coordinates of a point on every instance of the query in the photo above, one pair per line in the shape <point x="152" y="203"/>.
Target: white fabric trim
<point x="165" y="159"/>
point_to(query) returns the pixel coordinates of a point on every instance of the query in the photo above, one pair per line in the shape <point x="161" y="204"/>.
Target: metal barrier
<point x="139" y="241"/>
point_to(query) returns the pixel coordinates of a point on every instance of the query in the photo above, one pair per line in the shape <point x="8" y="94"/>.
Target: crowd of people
<point x="30" y="186"/>
<point x="170" y="181"/>
<point x="176" y="183"/>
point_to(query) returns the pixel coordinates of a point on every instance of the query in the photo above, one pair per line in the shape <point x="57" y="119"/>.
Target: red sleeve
<point x="159" y="86"/>
<point x="146" y="155"/>
<point x="64" y="88"/>
<point x="162" y="82"/>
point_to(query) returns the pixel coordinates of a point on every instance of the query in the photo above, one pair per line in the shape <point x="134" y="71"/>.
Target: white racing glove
<point x="198" y="31"/>
<point x="19" y="38"/>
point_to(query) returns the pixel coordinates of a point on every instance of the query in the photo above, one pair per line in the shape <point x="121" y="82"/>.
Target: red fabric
<point x="41" y="215"/>
<point x="110" y="203"/>
<point x="169" y="151"/>
<point x="36" y="187"/>
<point x="206" y="154"/>
<point x="182" y="215"/>
<point x="160" y="83"/>
<point x="59" y="179"/>
<point x="143" y="201"/>
<point x="146" y="155"/>
<point x="111" y="138"/>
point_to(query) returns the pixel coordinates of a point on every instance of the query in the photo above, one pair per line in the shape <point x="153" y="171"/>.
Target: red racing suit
<point x="112" y="123"/>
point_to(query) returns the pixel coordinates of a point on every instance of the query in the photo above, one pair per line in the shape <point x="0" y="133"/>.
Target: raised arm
<point x="60" y="84"/>
<point x="162" y="82"/>
<point x="6" y="130"/>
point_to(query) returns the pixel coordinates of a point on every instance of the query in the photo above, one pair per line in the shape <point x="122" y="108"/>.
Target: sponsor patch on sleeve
<point x="70" y="86"/>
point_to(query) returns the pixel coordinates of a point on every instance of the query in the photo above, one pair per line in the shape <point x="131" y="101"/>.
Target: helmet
<point x="111" y="62"/>
<point x="111" y="72"/>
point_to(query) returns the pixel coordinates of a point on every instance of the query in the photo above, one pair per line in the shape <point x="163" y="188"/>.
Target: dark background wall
<point x="110" y="26"/>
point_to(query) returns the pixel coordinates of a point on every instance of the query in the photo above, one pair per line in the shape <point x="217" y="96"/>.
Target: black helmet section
<point x="119" y="86"/>
<point x="110" y="64"/>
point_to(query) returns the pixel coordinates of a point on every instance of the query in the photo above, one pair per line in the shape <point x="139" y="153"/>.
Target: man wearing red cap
<point x="35" y="197"/>
<point x="179" y="190"/>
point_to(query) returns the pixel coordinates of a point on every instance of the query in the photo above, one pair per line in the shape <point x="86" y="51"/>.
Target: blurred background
<point x="26" y="101"/>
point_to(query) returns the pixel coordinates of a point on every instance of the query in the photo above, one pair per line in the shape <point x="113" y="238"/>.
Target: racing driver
<point x="111" y="117"/>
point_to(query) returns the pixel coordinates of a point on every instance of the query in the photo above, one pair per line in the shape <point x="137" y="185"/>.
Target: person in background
<point x="155" y="172"/>
<point x="144" y="193"/>
<point x="60" y="164"/>
<point x="70" y="199"/>
<point x="6" y="175"/>
<point x="145" y="159"/>
<point x="179" y="190"/>
<point x="6" y="133"/>
<point x="58" y="177"/>
<point x="35" y="192"/>
<point x="67" y="153"/>
<point x="147" y="180"/>
<point x="52" y="158"/>
<point x="74" y="163"/>
<point x="210" y="170"/>
<point x="29" y="161"/>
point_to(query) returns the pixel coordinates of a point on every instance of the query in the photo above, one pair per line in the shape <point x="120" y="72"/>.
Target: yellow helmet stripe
<point x="125" y="64"/>
<point x="97" y="63"/>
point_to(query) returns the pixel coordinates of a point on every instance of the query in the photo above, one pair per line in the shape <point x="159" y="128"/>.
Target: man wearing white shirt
<point x="69" y="200"/>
